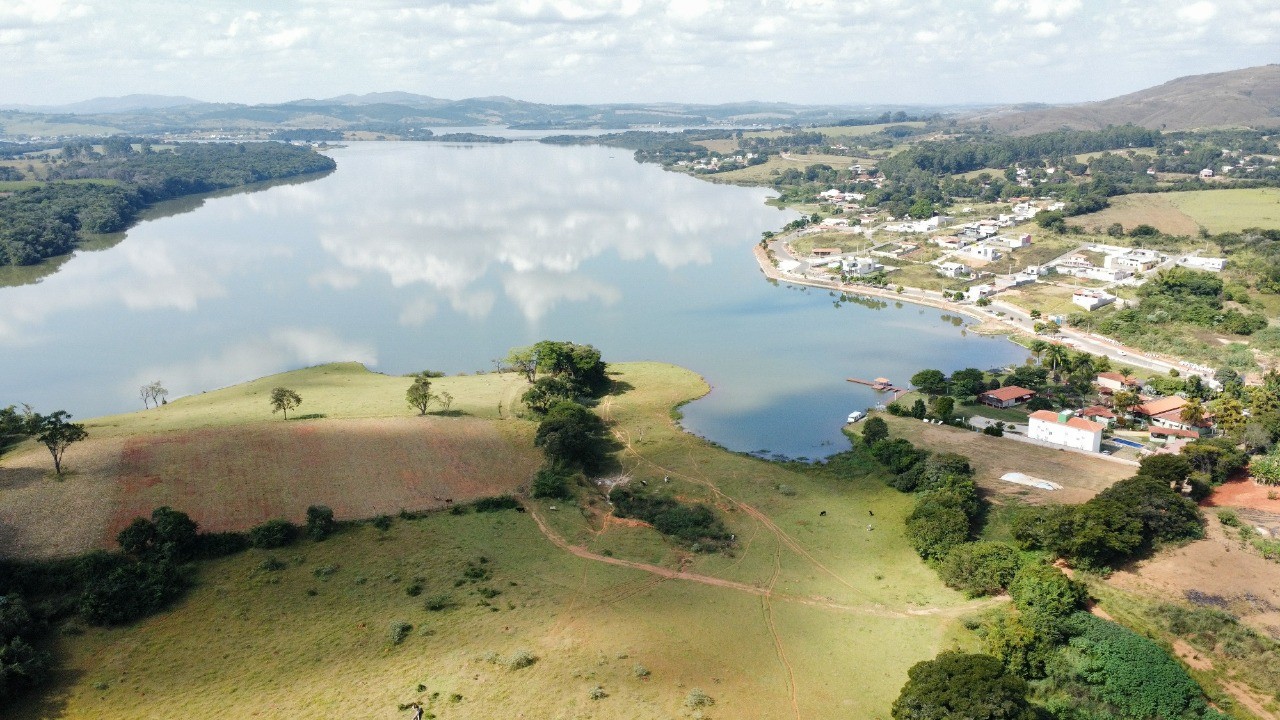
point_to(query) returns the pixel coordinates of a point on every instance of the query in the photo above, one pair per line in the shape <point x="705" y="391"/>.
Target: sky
<point x="585" y="51"/>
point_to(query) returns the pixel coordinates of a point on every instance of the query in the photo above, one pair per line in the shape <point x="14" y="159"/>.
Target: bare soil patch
<point x="1246" y="493"/>
<point x="1080" y="476"/>
<point x="232" y="478"/>
<point x="1215" y="571"/>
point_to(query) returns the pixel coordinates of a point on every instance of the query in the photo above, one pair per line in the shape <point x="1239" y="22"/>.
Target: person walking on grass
<point x="417" y="711"/>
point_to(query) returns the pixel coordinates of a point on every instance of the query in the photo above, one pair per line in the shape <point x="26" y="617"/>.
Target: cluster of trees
<point x="568" y="371"/>
<point x="51" y="219"/>
<point x="55" y="431"/>
<point x="1196" y="297"/>
<point x="1125" y="520"/>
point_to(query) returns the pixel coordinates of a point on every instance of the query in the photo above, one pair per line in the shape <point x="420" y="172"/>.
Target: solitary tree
<point x="57" y="433"/>
<point x="152" y="393"/>
<point x="523" y="360"/>
<point x="960" y="685"/>
<point x="419" y="393"/>
<point x="283" y="400"/>
<point x="930" y="381"/>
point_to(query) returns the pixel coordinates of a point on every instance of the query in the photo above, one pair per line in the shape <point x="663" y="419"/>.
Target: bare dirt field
<point x="1215" y="571"/>
<point x="1246" y="494"/>
<point x="1081" y="476"/>
<point x="232" y="478"/>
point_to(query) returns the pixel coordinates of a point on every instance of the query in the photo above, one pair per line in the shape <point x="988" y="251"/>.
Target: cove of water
<point x="429" y="255"/>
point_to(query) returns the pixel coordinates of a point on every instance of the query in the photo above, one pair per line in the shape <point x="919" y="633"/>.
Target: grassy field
<point x="923" y="275"/>
<point x="759" y="174"/>
<point x="223" y="457"/>
<point x="1048" y="299"/>
<point x="811" y="615"/>
<point x="1184" y="213"/>
<point x="846" y="241"/>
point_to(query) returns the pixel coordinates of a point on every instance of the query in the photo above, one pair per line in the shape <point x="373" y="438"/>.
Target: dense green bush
<point x="320" y="522"/>
<point x="273" y="534"/>
<point x="1046" y="598"/>
<point x="943" y="518"/>
<point x="130" y="591"/>
<point x="552" y="482"/>
<point x="957" y="685"/>
<point x="169" y="533"/>
<point x="980" y="568"/>
<point x="1126" y="675"/>
<point x="496" y="503"/>
<point x="21" y="665"/>
<point x="573" y="437"/>
<point x="693" y="524"/>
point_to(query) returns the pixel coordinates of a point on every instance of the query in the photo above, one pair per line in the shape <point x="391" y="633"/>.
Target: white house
<point x="1206" y="173"/>
<point x="860" y="266"/>
<point x="983" y="252"/>
<point x="950" y="242"/>
<point x="1136" y="260"/>
<point x="1014" y="242"/>
<point x="978" y="292"/>
<point x="953" y="269"/>
<point x="833" y="222"/>
<point x="1203" y="263"/>
<point x="1092" y="299"/>
<point x="1065" y="429"/>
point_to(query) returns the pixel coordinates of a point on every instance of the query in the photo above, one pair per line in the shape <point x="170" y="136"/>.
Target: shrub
<point x="874" y="430"/>
<point x="382" y="522"/>
<point x="399" y="631"/>
<point x="552" y="482"/>
<point x="962" y="685"/>
<point x="436" y="603"/>
<point x="980" y="568"/>
<point x="494" y="504"/>
<point x="273" y="534"/>
<point x="413" y="590"/>
<point x="521" y="659"/>
<point x="320" y="523"/>
<point x="130" y="591"/>
<point x="1046" y="597"/>
<point x="597" y="693"/>
<point x="698" y="699"/>
<point x="693" y="524"/>
<point x="572" y="436"/>
<point x="221" y="544"/>
<point x="640" y="671"/>
<point x="272" y="564"/>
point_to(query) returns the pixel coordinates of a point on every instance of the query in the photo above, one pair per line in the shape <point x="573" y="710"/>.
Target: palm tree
<point x="1055" y="356"/>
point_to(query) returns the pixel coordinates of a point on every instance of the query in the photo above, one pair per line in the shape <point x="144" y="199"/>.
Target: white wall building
<point x="953" y="269"/>
<point x="1092" y="299"/>
<point x="983" y="252"/>
<point x="860" y="266"/>
<point x="1065" y="429"/>
<point x="1203" y="263"/>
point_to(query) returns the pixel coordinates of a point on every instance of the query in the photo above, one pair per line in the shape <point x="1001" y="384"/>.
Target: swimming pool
<point x="1127" y="443"/>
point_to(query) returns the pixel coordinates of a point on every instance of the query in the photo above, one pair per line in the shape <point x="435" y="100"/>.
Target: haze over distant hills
<point x="1239" y="98"/>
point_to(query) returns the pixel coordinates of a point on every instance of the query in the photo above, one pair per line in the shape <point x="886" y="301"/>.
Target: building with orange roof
<point x="1066" y="430"/>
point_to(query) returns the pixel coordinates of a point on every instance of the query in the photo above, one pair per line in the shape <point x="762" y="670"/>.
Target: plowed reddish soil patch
<point x="233" y="478"/>
<point x="1246" y="494"/>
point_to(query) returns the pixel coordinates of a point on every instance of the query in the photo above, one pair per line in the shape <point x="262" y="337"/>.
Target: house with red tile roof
<point x="1006" y="397"/>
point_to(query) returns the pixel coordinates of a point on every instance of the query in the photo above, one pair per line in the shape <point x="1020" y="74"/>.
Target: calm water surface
<point x="426" y="255"/>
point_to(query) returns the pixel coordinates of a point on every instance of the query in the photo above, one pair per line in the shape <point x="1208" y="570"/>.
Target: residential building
<point x="1158" y="406"/>
<point x="977" y="292"/>
<point x="1065" y="429"/>
<point x="983" y="252"/>
<point x="834" y="222"/>
<point x="953" y="269"/>
<point x="1203" y="263"/>
<point x="950" y="242"/>
<point x="1099" y="414"/>
<point x="1135" y="260"/>
<point x="1092" y="299"/>
<point x="1014" y="242"/>
<point x="860" y="266"/>
<point x="1113" y="381"/>
<point x="1006" y="397"/>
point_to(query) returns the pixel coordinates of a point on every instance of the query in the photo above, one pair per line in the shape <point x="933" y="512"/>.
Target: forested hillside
<point x="51" y="219"/>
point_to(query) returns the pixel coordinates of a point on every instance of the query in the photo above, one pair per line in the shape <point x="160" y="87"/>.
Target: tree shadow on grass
<point x="620" y="387"/>
<point x="450" y="413"/>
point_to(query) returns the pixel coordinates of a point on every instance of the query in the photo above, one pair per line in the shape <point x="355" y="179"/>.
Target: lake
<point x="429" y="255"/>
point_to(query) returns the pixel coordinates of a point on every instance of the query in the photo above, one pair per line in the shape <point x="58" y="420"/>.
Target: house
<point x="1103" y="274"/>
<point x="983" y="252"/>
<point x="977" y="292"/>
<point x="1166" y="433"/>
<point x="1006" y="397"/>
<point x="1075" y="261"/>
<point x="950" y="242"/>
<point x="1099" y="414"/>
<point x="1136" y="260"/>
<point x="1206" y="173"/>
<point x="1065" y="429"/>
<point x="1159" y="406"/>
<point x="860" y="266"/>
<point x="1018" y="280"/>
<point x="1113" y="381"/>
<point x="1172" y="420"/>
<point x="953" y="269"/>
<point x="1014" y="242"/>
<point x="834" y="222"/>
<point x="1203" y="263"/>
<point x="1092" y="299"/>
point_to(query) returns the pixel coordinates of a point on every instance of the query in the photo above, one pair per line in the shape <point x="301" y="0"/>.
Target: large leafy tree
<point x="930" y="381"/>
<point x="966" y="686"/>
<point x="571" y="436"/>
<point x="419" y="394"/>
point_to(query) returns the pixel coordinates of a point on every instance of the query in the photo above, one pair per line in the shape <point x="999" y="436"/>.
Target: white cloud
<point x="603" y="50"/>
<point x="1199" y="13"/>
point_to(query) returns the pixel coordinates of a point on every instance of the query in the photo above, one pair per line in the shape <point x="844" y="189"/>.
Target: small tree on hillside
<point x="283" y="400"/>
<point x="874" y="430"/>
<point x="152" y="393"/>
<point x="419" y="393"/>
<point x="57" y="433"/>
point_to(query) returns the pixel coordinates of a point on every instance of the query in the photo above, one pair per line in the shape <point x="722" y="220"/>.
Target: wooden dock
<point x="881" y="385"/>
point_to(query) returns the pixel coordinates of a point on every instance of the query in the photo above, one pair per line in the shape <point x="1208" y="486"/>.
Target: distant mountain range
<point x="1239" y="98"/>
<point x="399" y="112"/>
<point x="1248" y="97"/>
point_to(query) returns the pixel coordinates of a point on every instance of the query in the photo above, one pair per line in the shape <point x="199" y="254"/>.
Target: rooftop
<point x="1161" y="405"/>
<point x="1012" y="392"/>
<point x="1073" y="422"/>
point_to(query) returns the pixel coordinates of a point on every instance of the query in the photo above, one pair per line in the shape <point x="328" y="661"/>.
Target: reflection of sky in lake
<point x="417" y="256"/>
